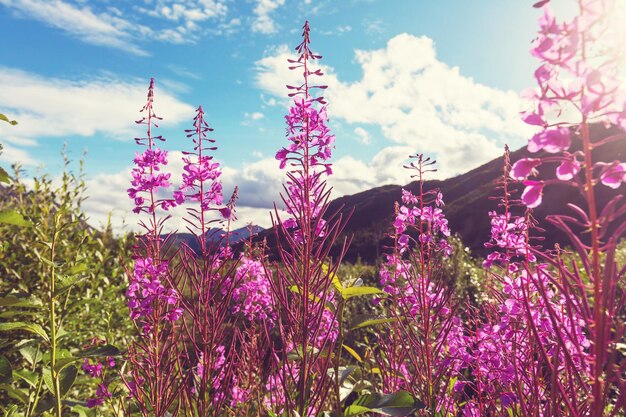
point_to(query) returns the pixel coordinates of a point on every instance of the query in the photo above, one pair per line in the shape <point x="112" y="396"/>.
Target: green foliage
<point x="61" y="284"/>
<point x="6" y="119"/>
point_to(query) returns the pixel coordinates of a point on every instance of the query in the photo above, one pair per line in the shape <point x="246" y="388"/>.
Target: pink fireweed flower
<point x="200" y="173"/>
<point x="551" y="140"/>
<point x="568" y="169"/>
<point x="147" y="178"/>
<point x="94" y="370"/>
<point x="533" y="193"/>
<point x="146" y="288"/>
<point x="253" y="296"/>
<point x="524" y="167"/>
<point x="102" y="394"/>
<point x="614" y="175"/>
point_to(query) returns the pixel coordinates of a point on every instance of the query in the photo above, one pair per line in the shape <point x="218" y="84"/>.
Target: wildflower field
<point x="94" y="324"/>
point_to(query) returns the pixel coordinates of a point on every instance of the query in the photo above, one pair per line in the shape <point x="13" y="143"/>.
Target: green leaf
<point x="47" y="379"/>
<point x="16" y="394"/>
<point x="31" y="378"/>
<point x="13" y="301"/>
<point x="6" y="372"/>
<point x="367" y="322"/>
<point x="29" y="327"/>
<point x="4" y="176"/>
<point x="353" y="353"/>
<point x="32" y="355"/>
<point x="11" y="411"/>
<point x="399" y="403"/>
<point x="358" y="291"/>
<point x="66" y="282"/>
<point x="83" y="411"/>
<point x="78" y="268"/>
<point x="356" y="410"/>
<point x="63" y="362"/>
<point x="67" y="377"/>
<point x="99" y="351"/>
<point x="13" y="217"/>
<point x="6" y="119"/>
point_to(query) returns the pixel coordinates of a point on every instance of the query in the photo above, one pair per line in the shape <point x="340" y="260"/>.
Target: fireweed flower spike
<point x="419" y="352"/>
<point x="153" y="303"/>
<point x="578" y="86"/>
<point x="207" y="281"/>
<point x="303" y="286"/>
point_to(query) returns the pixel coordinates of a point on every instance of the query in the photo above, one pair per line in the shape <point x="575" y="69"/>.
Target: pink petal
<point x="523" y="168"/>
<point x="532" y="194"/>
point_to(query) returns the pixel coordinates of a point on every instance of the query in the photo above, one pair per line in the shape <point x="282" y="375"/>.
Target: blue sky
<point x="439" y="77"/>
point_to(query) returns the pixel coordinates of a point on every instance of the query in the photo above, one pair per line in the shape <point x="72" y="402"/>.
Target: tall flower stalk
<point x="303" y="290"/>
<point x="154" y="379"/>
<point x="578" y="86"/>
<point x="206" y="279"/>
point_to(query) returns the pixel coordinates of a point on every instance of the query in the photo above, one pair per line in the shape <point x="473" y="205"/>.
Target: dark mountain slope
<point x="469" y="197"/>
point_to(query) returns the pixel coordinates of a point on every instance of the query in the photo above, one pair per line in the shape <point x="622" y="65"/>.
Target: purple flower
<point x="533" y="193"/>
<point x="568" y="168"/>
<point x="522" y="168"/>
<point x="614" y="175"/>
<point x="552" y="140"/>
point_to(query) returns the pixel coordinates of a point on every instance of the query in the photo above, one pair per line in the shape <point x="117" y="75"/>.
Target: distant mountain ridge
<point x="468" y="197"/>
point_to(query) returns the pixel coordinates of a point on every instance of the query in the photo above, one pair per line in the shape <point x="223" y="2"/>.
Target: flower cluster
<point x="252" y="297"/>
<point x="578" y="81"/>
<point x="310" y="146"/>
<point x="147" y="175"/>
<point x="199" y="168"/>
<point x="429" y="221"/>
<point x="509" y="234"/>
<point x="147" y="289"/>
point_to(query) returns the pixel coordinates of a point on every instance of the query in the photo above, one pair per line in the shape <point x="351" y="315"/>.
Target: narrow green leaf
<point x="358" y="291"/>
<point x="6" y="372"/>
<point x="355" y="410"/>
<point x="47" y="379"/>
<point x="353" y="353"/>
<point x="13" y="217"/>
<point x="399" y="403"/>
<point x="99" y="351"/>
<point x="30" y="327"/>
<point x="78" y="268"/>
<point x="83" y="411"/>
<point x="31" y="378"/>
<point x="13" y="301"/>
<point x="16" y="394"/>
<point x="372" y="322"/>
<point x="63" y="362"/>
<point x="4" y="176"/>
<point x="67" y="377"/>
<point x="32" y="355"/>
<point x="6" y="119"/>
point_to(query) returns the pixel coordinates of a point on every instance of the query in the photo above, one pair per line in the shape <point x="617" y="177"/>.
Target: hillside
<point x="468" y="197"/>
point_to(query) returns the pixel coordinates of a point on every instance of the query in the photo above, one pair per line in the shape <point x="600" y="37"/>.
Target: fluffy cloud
<point x="259" y="187"/>
<point x="419" y="103"/>
<point x="177" y="21"/>
<point x="362" y="135"/>
<point x="263" y="22"/>
<point x="80" y="22"/>
<point x="49" y="107"/>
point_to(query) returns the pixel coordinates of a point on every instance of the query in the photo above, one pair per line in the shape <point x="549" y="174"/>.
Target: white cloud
<point x="259" y="187"/>
<point x="254" y="115"/>
<point x="419" y="103"/>
<point x="80" y="22"/>
<point x="176" y="21"/>
<point x="52" y="107"/>
<point x="263" y="22"/>
<point x="362" y="135"/>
